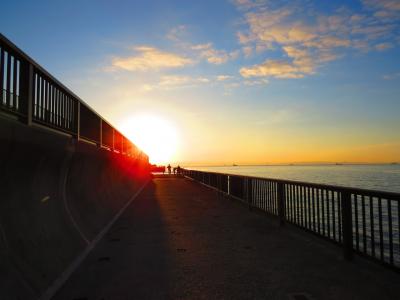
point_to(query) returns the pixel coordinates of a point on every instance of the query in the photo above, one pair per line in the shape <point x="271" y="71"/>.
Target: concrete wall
<point x="56" y="195"/>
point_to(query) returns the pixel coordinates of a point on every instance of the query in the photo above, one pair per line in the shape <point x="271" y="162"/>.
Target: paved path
<point x="179" y="240"/>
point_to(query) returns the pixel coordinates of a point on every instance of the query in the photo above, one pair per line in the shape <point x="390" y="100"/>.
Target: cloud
<point x="248" y="4"/>
<point x="247" y="51"/>
<point x="383" y="46"/>
<point x="149" y="58"/>
<point x="383" y="8"/>
<point x="214" y="56"/>
<point x="224" y="77"/>
<point x="262" y="81"/>
<point x="169" y="82"/>
<point x="391" y="76"/>
<point x="310" y="38"/>
<point x="273" y="68"/>
<point x="176" y="34"/>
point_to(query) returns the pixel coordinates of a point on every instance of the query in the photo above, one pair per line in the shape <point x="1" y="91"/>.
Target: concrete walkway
<point x="179" y="240"/>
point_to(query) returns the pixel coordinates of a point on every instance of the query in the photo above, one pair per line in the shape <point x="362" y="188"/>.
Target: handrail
<point x="34" y="96"/>
<point x="365" y="222"/>
<point x="314" y="184"/>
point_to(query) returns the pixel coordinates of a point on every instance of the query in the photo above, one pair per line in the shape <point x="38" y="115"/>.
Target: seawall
<point x="56" y="195"/>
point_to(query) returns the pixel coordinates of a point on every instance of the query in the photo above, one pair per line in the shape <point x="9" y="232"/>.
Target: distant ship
<point x="234" y="165"/>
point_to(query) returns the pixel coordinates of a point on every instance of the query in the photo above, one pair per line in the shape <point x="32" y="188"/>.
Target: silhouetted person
<point x="178" y="169"/>
<point x="169" y="169"/>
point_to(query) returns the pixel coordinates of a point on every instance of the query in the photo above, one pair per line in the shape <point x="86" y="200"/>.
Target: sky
<point x="228" y="81"/>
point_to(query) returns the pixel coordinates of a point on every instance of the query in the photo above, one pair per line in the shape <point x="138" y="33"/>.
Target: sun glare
<point x="157" y="137"/>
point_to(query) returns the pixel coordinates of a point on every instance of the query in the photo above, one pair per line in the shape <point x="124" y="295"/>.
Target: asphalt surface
<point x="180" y="240"/>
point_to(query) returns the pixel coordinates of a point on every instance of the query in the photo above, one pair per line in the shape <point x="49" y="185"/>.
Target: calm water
<point x="375" y="177"/>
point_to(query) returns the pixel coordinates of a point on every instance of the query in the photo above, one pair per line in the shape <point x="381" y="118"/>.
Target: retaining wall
<point x="56" y="195"/>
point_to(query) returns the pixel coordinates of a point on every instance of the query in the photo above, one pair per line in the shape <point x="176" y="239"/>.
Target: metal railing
<point x="33" y="96"/>
<point x="362" y="221"/>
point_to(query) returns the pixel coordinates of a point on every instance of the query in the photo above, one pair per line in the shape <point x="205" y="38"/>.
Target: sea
<point x="385" y="177"/>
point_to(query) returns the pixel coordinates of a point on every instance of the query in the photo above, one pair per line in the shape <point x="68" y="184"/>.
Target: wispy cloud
<point x="224" y="77"/>
<point x="391" y="76"/>
<point x="386" y="9"/>
<point x="248" y="4"/>
<point x="308" y="38"/>
<point x="213" y="55"/>
<point x="262" y="81"/>
<point x="169" y="82"/>
<point x="150" y="58"/>
<point x="383" y="46"/>
<point x="273" y="68"/>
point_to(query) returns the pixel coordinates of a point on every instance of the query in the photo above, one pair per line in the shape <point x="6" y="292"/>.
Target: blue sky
<point x="241" y="81"/>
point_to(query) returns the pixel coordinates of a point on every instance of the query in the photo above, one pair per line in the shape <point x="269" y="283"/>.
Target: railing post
<point x="250" y="193"/>
<point x="347" y="226"/>
<point x="26" y="90"/>
<point x="281" y="202"/>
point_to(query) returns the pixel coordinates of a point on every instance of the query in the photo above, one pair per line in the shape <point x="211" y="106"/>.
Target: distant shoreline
<point x="294" y="165"/>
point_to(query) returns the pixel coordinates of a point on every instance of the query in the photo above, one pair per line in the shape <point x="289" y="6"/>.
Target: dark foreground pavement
<point x="179" y="240"/>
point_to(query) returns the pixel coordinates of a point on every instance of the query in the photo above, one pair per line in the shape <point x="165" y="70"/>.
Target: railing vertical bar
<point x="2" y="55"/>
<point x="298" y="208"/>
<point x="275" y="197"/>
<point x="8" y="80"/>
<point x="309" y="209"/>
<point x="57" y="110"/>
<point x="65" y="111"/>
<point x="328" y="225"/>
<point x="41" y="98"/>
<point x="15" y="76"/>
<point x="266" y="195"/>
<point x="340" y="229"/>
<point x="35" y="94"/>
<point x="303" y="206"/>
<point x="364" y="224"/>
<point x="44" y="99"/>
<point x="290" y="187"/>
<point x="287" y="206"/>
<point x="371" y="220"/>
<point x="333" y="214"/>
<point x="298" y="201"/>
<point x="323" y="211"/>
<point x="261" y="193"/>
<point x="356" y="221"/>
<point x="256" y="196"/>
<point x="389" y="208"/>
<point x="48" y="102"/>
<point x="398" y="225"/>
<point x="313" y="208"/>
<point x="318" y="212"/>
<point x="51" y="103"/>
<point x="381" y="242"/>
<point x="258" y="193"/>
<point x="289" y="194"/>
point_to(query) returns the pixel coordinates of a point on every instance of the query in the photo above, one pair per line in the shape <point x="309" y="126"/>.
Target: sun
<point x="155" y="136"/>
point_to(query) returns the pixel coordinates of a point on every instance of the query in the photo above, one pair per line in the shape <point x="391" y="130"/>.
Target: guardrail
<point x="33" y="96"/>
<point x="362" y="221"/>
